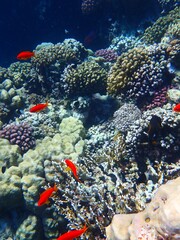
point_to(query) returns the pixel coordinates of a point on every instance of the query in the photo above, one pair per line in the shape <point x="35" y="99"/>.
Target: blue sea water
<point x="25" y="24"/>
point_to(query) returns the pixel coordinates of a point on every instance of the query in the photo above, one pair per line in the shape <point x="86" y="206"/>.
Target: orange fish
<point x="44" y="197"/>
<point x="25" y="55"/>
<point x="72" y="234"/>
<point x="177" y="108"/>
<point x="38" y="107"/>
<point x="73" y="168"/>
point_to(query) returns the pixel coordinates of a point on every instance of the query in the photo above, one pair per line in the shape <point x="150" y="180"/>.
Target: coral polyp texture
<point x="159" y="220"/>
<point x="109" y="55"/>
<point x="87" y="78"/>
<point x="158" y="29"/>
<point x="19" y="134"/>
<point x="50" y="61"/>
<point x="139" y="72"/>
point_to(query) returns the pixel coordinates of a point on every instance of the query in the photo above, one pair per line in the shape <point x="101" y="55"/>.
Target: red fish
<point x="73" y="168"/>
<point x="39" y="107"/>
<point x="25" y="55"/>
<point x="72" y="234"/>
<point x="177" y="108"/>
<point x="44" y="197"/>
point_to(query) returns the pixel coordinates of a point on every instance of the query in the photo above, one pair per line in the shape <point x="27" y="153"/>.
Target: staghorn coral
<point x="158" y="29"/>
<point x="19" y="134"/>
<point x="160" y="219"/>
<point x="87" y="78"/>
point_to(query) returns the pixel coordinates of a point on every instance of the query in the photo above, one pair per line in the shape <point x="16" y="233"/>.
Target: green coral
<point x="123" y="70"/>
<point x="87" y="78"/>
<point x="158" y="29"/>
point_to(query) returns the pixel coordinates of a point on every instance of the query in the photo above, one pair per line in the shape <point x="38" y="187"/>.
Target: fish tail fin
<point x="55" y="188"/>
<point x="77" y="178"/>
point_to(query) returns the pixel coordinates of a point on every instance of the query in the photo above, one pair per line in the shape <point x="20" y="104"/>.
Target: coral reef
<point x="159" y="220"/>
<point x="49" y="63"/>
<point x="85" y="79"/>
<point x="125" y="117"/>
<point x="138" y="73"/>
<point x="154" y="33"/>
<point x="19" y="134"/>
<point x="159" y="99"/>
<point x="109" y="55"/>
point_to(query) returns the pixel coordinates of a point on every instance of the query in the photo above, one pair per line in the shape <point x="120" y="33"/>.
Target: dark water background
<point x="26" y="23"/>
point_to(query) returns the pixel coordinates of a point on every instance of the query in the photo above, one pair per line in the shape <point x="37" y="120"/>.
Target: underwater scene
<point x="90" y="120"/>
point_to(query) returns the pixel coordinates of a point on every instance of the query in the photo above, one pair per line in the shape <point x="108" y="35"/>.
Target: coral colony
<point x="112" y="117"/>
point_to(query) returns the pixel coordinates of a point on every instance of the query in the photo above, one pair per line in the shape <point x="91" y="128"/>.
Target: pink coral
<point x="108" y="54"/>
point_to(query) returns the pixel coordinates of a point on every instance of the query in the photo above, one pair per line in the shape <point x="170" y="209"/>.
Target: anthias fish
<point x="72" y="234"/>
<point x="25" y="55"/>
<point x="39" y="107"/>
<point x="73" y="168"/>
<point x="44" y="197"/>
<point x="176" y="108"/>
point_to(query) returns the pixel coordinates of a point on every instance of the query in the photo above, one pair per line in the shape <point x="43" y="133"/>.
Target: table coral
<point x="159" y="220"/>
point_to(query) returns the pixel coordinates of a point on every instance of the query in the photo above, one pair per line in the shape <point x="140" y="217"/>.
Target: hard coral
<point x="87" y="78"/>
<point x="158" y="29"/>
<point x="19" y="134"/>
<point x="108" y="54"/>
<point x="160" y="219"/>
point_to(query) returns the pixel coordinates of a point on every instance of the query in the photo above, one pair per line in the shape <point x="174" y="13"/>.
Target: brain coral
<point x="87" y="78"/>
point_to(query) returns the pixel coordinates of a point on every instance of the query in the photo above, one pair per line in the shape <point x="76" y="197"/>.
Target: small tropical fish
<point x="73" y="168"/>
<point x="39" y="107"/>
<point x="176" y="108"/>
<point x="25" y="55"/>
<point x="44" y="197"/>
<point x="154" y="128"/>
<point x="72" y="234"/>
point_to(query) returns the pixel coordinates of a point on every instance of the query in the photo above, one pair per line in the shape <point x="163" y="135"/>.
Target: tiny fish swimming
<point x="39" y="107"/>
<point x="72" y="234"/>
<point x="44" y="197"/>
<point x="25" y="55"/>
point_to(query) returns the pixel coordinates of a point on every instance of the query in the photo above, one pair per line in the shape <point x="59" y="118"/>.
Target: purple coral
<point x="108" y="54"/>
<point x="159" y="99"/>
<point x="20" y="134"/>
